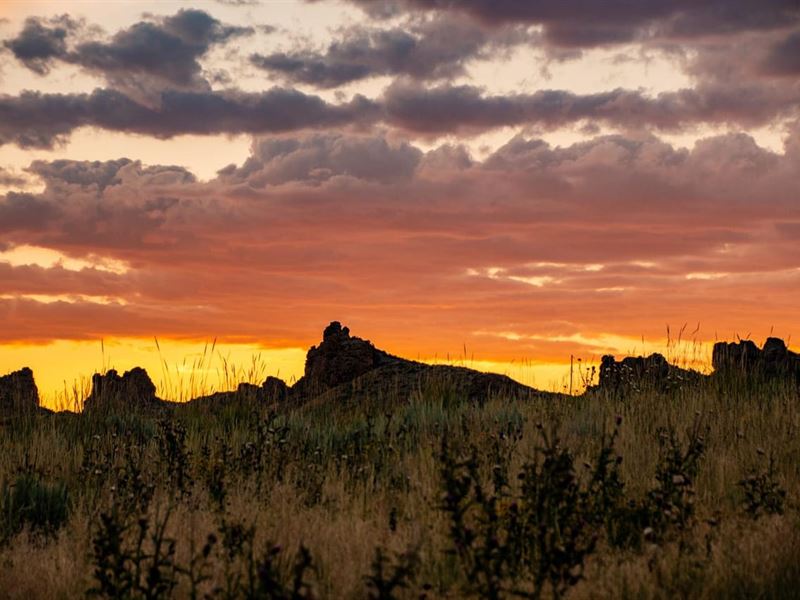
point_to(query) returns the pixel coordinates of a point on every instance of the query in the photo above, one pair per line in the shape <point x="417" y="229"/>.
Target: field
<point x="691" y="493"/>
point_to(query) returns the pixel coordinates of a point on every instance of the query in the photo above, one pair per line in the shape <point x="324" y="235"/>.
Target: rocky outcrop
<point x="18" y="393"/>
<point x="345" y="367"/>
<point x="340" y="358"/>
<point x="635" y="373"/>
<point x="132" y="390"/>
<point x="746" y="359"/>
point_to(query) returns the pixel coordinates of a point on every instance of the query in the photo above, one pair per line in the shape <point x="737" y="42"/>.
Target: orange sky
<point x="505" y="187"/>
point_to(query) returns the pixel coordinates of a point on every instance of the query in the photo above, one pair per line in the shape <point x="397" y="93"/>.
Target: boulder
<point x="643" y="372"/>
<point x="18" y="393"/>
<point x="745" y="358"/>
<point x="275" y="389"/>
<point x="133" y="389"/>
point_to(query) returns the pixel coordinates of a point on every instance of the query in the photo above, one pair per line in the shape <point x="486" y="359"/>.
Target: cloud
<point x="22" y="212"/>
<point x="149" y="55"/>
<point x="318" y="157"/>
<point x="116" y="203"/>
<point x="41" y="41"/>
<point x="581" y="23"/>
<point x="141" y="60"/>
<point x="431" y="49"/>
<point x="784" y="57"/>
<point x="33" y="119"/>
<point x="9" y="178"/>
<point x="84" y="173"/>
<point x="307" y="228"/>
<point x="464" y="108"/>
<point x="238" y="2"/>
<point x="98" y="175"/>
<point x="157" y="85"/>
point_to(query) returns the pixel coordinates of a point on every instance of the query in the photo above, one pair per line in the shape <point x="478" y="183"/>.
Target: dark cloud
<point x="33" y="119"/>
<point x="586" y="23"/>
<point x="433" y="49"/>
<point x="23" y="212"/>
<point x="41" y="41"/>
<point x="318" y="157"/>
<point x="84" y="173"/>
<point x="40" y="120"/>
<point x="167" y="51"/>
<point x="447" y="109"/>
<point x="784" y="57"/>
<point x="142" y="59"/>
<point x="728" y="17"/>
<point x="98" y="175"/>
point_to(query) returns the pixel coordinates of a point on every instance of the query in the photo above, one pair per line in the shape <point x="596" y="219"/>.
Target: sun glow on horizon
<point x="185" y="369"/>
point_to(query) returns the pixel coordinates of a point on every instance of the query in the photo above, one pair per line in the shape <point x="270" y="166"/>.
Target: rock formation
<point x="639" y="372"/>
<point x="340" y="358"/>
<point x="744" y="358"/>
<point x="343" y="367"/>
<point x="18" y="393"/>
<point x="132" y="390"/>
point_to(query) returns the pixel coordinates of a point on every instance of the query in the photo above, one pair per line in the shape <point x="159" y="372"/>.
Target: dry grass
<point x="343" y="482"/>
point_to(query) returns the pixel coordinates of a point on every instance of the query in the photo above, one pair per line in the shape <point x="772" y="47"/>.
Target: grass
<point x="421" y="497"/>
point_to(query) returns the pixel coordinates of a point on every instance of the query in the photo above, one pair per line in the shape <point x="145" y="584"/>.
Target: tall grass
<point x="346" y="501"/>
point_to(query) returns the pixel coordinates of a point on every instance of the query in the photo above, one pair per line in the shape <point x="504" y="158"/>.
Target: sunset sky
<point x="494" y="182"/>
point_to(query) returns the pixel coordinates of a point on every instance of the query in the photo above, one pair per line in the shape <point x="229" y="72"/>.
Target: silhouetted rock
<point x="275" y="389"/>
<point x="272" y="390"/>
<point x="132" y="390"/>
<point x="18" y="393"/>
<point x="746" y="359"/>
<point x="344" y="367"/>
<point x="340" y="358"/>
<point x="639" y="372"/>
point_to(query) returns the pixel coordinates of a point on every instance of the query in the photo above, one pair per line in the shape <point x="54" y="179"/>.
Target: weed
<point x="387" y="577"/>
<point x="763" y="494"/>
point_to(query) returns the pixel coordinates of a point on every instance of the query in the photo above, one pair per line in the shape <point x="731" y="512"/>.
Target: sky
<point x="494" y="183"/>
